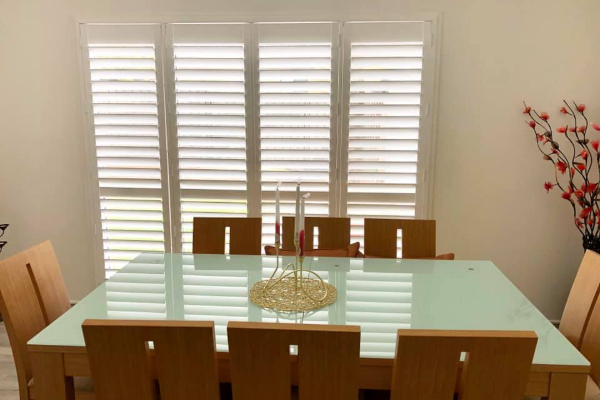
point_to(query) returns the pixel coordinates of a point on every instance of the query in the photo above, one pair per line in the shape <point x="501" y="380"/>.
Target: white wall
<point x="488" y="196"/>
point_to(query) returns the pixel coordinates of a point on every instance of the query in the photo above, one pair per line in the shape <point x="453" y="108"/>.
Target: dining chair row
<point x="32" y="295"/>
<point x="380" y="236"/>
<point x="184" y="362"/>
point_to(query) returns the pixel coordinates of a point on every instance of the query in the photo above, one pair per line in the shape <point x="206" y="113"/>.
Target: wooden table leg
<point x="49" y="380"/>
<point x="567" y="386"/>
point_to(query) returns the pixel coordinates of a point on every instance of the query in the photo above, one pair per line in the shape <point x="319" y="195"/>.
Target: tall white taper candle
<point x="297" y="215"/>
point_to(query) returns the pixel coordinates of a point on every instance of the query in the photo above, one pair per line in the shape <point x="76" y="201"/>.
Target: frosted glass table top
<point x="379" y="295"/>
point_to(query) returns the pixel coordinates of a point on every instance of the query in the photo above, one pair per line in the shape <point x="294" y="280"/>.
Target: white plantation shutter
<point x="208" y="100"/>
<point x="383" y="65"/>
<point x="126" y="113"/>
<point x="296" y="67"/>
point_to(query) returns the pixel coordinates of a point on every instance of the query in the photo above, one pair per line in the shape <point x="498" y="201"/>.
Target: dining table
<point x="379" y="295"/>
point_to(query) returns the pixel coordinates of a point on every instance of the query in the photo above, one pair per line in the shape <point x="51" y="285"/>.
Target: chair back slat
<point x="334" y="233"/>
<point x="184" y="351"/>
<point x="418" y="238"/>
<point x="22" y="313"/>
<point x="48" y="281"/>
<point x="244" y="235"/>
<point x="328" y="361"/>
<point x="582" y="298"/>
<point x="496" y="366"/>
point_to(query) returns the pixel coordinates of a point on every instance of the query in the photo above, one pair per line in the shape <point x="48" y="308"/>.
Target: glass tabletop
<point x="379" y="295"/>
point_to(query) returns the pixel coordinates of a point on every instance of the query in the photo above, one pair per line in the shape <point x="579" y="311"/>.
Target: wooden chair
<point x="328" y="361"/>
<point x="244" y="235"/>
<point x="582" y="298"/>
<point x="24" y="315"/>
<point x="186" y="364"/>
<point x="418" y="238"/>
<point x="496" y="368"/>
<point x="590" y="347"/>
<point x="334" y="233"/>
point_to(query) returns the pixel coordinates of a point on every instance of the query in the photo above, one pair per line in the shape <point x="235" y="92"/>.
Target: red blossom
<point x="585" y="212"/>
<point x="561" y="167"/>
<point x="548" y="186"/>
<point x="532" y="124"/>
<point x="590" y="221"/>
<point x="544" y="115"/>
<point x="570" y="190"/>
<point x="561" y="129"/>
<point x="572" y="129"/>
<point x="572" y="171"/>
<point x="566" y="195"/>
<point x="595" y="144"/>
<point x="581" y="129"/>
<point x="578" y="194"/>
<point x="596" y="127"/>
<point x="564" y="110"/>
<point x="526" y="110"/>
<point x="580" y="166"/>
<point x="581" y="108"/>
<point x="584" y="154"/>
<point x="590" y="187"/>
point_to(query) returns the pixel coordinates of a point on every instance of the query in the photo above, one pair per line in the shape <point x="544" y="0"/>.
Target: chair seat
<point x="84" y="389"/>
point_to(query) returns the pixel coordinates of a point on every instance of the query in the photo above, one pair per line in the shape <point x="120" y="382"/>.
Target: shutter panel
<point x="209" y="76"/>
<point x="383" y="63"/>
<point x="295" y="63"/>
<point x="126" y="117"/>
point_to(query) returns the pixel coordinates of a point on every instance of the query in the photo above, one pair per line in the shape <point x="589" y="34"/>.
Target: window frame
<point x="339" y="143"/>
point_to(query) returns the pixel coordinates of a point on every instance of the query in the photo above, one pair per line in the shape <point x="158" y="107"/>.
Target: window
<point x="204" y="120"/>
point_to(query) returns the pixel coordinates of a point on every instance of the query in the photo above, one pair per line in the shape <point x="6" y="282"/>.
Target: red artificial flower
<point x="578" y="194"/>
<point x="590" y="187"/>
<point x="548" y="186"/>
<point x="570" y="190"/>
<point x="584" y="154"/>
<point x="566" y="195"/>
<point x="562" y="129"/>
<point x="581" y="129"/>
<point x="596" y="127"/>
<point x="578" y="222"/>
<point x="561" y="167"/>
<point x="585" y="212"/>
<point x="581" y="108"/>
<point x="580" y="166"/>
<point x="572" y="171"/>
<point x="595" y="144"/>
<point x="590" y="221"/>
<point x="554" y="151"/>
<point x="572" y="129"/>
<point x="540" y="138"/>
<point x="526" y="110"/>
<point x="564" y="110"/>
<point x="532" y="124"/>
<point x="545" y="116"/>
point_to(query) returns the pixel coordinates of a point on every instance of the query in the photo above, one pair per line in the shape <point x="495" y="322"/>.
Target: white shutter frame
<point x="106" y="34"/>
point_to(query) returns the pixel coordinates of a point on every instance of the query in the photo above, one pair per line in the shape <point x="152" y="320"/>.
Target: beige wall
<point x="488" y="196"/>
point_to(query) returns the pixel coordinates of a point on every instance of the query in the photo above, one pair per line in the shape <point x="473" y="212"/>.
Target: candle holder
<point x="294" y="289"/>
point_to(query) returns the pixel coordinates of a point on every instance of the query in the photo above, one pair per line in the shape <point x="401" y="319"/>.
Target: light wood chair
<point x="590" y="348"/>
<point x="497" y="365"/>
<point x="582" y="298"/>
<point x="418" y="238"/>
<point x="24" y="315"/>
<point x="334" y="233"/>
<point x="244" y="235"/>
<point x="328" y="361"/>
<point x="185" y="359"/>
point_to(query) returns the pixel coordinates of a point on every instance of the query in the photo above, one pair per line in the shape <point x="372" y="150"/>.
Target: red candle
<point x="301" y="242"/>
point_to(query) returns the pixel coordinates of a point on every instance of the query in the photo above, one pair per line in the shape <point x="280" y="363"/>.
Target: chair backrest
<point x="21" y="311"/>
<point x="328" y="361"/>
<point x="582" y="298"/>
<point x="418" y="237"/>
<point x="334" y="233"/>
<point x="48" y="281"/>
<point x="590" y="343"/>
<point x="185" y="359"/>
<point x="496" y="366"/>
<point x="244" y="235"/>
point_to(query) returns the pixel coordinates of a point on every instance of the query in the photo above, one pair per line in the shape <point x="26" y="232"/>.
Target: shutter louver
<point x="295" y="88"/>
<point x="125" y="104"/>
<point x="211" y="128"/>
<point x="384" y="83"/>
